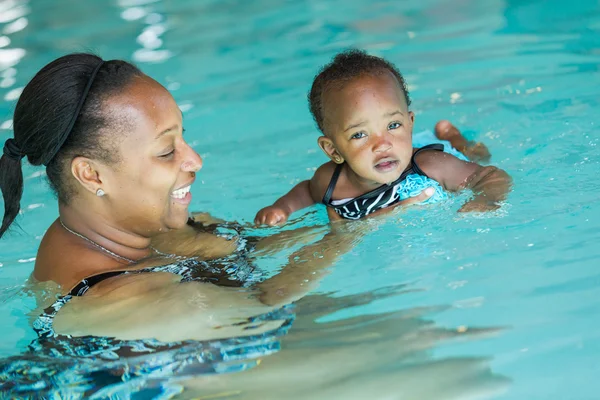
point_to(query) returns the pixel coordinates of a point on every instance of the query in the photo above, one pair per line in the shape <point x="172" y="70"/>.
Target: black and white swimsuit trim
<point x="381" y="197"/>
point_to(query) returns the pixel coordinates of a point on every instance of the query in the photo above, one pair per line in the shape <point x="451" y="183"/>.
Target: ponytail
<point x="58" y="116"/>
<point x="11" y="184"/>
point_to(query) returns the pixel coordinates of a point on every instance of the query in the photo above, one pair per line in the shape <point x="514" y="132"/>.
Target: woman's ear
<point x="86" y="174"/>
<point x="329" y="149"/>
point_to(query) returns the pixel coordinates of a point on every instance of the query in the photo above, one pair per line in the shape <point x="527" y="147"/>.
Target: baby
<point x="360" y="103"/>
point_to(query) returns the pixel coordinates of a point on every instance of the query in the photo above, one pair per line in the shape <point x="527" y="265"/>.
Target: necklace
<point x="160" y="253"/>
<point x="115" y="255"/>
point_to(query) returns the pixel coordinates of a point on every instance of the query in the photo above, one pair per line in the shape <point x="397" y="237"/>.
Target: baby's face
<point x="368" y="121"/>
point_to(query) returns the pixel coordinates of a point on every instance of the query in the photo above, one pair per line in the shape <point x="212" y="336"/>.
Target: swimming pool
<point x="502" y="306"/>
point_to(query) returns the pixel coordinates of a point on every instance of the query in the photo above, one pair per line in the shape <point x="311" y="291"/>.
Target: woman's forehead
<point x="146" y="105"/>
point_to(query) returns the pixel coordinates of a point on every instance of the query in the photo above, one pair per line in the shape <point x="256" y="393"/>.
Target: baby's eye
<point x="394" y="125"/>
<point x="358" y="135"/>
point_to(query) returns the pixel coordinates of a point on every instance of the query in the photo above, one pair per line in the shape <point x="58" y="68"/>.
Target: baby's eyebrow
<point x="355" y="125"/>
<point x="392" y="113"/>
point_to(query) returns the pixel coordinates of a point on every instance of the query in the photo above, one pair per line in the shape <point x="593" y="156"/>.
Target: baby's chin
<point x="387" y="181"/>
<point x="387" y="176"/>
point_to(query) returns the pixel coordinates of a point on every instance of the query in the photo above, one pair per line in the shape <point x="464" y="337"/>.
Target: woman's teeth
<point x="180" y="193"/>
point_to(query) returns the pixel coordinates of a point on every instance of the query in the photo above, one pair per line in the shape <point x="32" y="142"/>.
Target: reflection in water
<point x="369" y="356"/>
<point x="150" y="38"/>
<point x="13" y="19"/>
<point x="63" y="366"/>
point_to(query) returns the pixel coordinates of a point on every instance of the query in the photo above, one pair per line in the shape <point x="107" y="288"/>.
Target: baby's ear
<point x="411" y="116"/>
<point x="329" y="149"/>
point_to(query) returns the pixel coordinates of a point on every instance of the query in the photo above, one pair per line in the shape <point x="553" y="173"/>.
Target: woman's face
<point x="149" y="190"/>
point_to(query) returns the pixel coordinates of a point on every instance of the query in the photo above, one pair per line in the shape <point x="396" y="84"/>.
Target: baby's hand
<point x="477" y="152"/>
<point x="271" y="216"/>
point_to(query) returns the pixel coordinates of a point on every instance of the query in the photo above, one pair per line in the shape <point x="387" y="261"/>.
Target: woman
<point x="111" y="139"/>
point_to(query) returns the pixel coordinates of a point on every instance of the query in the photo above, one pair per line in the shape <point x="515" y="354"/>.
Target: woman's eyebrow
<point x="172" y="128"/>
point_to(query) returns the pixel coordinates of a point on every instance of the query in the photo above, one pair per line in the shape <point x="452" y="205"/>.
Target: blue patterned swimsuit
<point x="62" y="366"/>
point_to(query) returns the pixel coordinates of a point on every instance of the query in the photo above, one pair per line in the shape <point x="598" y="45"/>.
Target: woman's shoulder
<point x="67" y="262"/>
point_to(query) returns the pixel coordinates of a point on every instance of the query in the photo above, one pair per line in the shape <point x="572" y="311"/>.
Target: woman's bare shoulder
<point x="66" y="262"/>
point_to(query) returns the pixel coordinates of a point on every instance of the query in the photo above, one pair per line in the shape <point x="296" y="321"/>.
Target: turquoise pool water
<point x="501" y="306"/>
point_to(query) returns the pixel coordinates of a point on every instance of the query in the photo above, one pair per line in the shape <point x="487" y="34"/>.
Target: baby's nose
<point x="382" y="143"/>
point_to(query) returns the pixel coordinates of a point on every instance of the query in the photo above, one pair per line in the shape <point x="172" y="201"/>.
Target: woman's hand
<point x="479" y="206"/>
<point x="421" y="197"/>
<point x="206" y="219"/>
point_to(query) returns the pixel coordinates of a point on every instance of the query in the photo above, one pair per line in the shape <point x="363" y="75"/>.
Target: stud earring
<point x="100" y="193"/>
<point x="337" y="159"/>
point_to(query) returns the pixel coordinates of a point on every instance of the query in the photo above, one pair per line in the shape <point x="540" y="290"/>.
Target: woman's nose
<point x="193" y="161"/>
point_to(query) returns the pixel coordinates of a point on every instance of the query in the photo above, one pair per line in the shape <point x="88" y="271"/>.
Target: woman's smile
<point x="182" y="195"/>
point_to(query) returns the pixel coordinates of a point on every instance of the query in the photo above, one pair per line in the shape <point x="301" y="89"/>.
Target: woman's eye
<point x="358" y="135"/>
<point x="394" y="125"/>
<point x="167" y="155"/>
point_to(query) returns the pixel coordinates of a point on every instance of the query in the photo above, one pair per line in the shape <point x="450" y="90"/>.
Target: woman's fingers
<point x="424" y="195"/>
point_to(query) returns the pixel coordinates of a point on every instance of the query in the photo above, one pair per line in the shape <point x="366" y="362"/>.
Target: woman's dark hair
<point x="60" y="116"/>
<point x="345" y="67"/>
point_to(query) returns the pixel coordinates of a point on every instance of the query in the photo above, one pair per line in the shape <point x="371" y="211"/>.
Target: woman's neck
<point x="105" y="234"/>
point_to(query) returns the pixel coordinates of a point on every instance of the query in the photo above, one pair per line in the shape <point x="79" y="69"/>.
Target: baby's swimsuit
<point x="412" y="181"/>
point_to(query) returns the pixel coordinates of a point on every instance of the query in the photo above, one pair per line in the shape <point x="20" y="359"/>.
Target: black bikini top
<point x="381" y="197"/>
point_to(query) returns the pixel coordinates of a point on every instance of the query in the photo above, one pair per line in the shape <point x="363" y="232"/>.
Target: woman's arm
<point x="157" y="305"/>
<point x="310" y="264"/>
<point x="306" y="267"/>
<point x="191" y="241"/>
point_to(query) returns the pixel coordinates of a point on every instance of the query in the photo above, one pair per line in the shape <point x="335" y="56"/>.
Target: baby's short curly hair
<point x="346" y="66"/>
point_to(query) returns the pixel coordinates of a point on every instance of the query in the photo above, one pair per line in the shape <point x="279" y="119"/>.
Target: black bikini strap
<point x="414" y="166"/>
<point x="332" y="182"/>
<point x="87" y="283"/>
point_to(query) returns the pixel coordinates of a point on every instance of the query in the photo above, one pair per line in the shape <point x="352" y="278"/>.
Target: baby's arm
<point x="490" y="185"/>
<point x="296" y="199"/>
<point x="303" y="195"/>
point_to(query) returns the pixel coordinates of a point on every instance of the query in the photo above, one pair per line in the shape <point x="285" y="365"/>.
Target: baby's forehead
<point x="348" y="93"/>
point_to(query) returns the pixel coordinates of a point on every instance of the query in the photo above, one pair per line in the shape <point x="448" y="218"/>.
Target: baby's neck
<point x="363" y="185"/>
